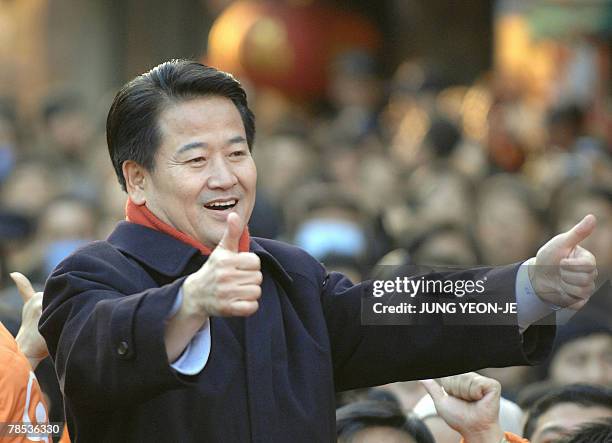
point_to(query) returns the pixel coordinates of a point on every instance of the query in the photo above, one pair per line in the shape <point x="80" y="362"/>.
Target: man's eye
<point x="238" y="153"/>
<point x="197" y="160"/>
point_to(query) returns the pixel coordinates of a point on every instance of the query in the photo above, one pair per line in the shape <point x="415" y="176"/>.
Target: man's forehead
<point x="567" y="415"/>
<point x="596" y="341"/>
<point x="190" y="124"/>
<point x="189" y="112"/>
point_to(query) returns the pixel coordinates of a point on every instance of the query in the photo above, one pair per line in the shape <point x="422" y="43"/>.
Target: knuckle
<point x="223" y="276"/>
<point x="257" y="291"/>
<point x="253" y="259"/>
<point x="225" y="261"/>
<point x="224" y="308"/>
<point x="224" y="292"/>
<point x="254" y="306"/>
<point x="246" y="308"/>
<point x="584" y="280"/>
<point x="496" y="385"/>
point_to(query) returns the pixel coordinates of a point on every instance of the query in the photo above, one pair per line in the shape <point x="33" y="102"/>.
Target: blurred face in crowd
<point x="506" y="230"/>
<point x="377" y="179"/>
<point x="442" y="196"/>
<point x="564" y="418"/>
<point x="297" y="161"/>
<point x="381" y="434"/>
<point x="584" y="360"/>
<point x="355" y="91"/>
<point x="203" y="169"/>
<point x="29" y="188"/>
<point x="68" y="219"/>
<point x="449" y="248"/>
<point x="70" y="131"/>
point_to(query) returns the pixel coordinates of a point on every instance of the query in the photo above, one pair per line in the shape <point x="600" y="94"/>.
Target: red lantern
<point x="288" y="47"/>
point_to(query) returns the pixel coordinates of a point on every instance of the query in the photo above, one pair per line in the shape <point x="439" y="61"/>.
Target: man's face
<point x="584" y="360"/>
<point x="203" y="169"/>
<point x="564" y="418"/>
<point x="381" y="434"/>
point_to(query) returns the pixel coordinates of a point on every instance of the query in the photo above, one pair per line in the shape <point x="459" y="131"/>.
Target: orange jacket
<point x="21" y="400"/>
<point x="511" y="438"/>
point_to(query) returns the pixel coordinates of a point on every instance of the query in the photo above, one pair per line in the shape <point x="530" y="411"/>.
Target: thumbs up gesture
<point x="229" y="283"/>
<point x="564" y="273"/>
<point x="30" y="342"/>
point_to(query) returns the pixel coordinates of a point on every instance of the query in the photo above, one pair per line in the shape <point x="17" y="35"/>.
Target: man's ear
<point x="135" y="180"/>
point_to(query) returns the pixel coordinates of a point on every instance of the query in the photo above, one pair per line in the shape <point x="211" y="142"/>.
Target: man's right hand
<point x="229" y="283"/>
<point x="468" y="403"/>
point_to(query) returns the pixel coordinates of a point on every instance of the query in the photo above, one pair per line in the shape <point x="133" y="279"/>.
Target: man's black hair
<point x="595" y="432"/>
<point x="132" y="131"/>
<point x="578" y="394"/>
<point x="360" y="415"/>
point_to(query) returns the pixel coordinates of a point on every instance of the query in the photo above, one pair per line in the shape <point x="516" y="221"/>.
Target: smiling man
<point x="180" y="327"/>
<point x="564" y="409"/>
<point x="201" y="134"/>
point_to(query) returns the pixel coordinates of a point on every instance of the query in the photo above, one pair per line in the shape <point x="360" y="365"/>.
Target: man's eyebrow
<point x="553" y="428"/>
<point x="191" y="145"/>
<point x="237" y="139"/>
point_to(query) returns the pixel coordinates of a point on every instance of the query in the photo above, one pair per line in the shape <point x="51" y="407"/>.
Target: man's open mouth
<point x="221" y="205"/>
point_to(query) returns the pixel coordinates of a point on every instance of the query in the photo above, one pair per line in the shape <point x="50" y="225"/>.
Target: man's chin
<point x="214" y="224"/>
<point x="211" y="233"/>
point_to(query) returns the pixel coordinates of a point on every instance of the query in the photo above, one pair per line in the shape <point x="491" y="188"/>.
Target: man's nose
<point x="222" y="175"/>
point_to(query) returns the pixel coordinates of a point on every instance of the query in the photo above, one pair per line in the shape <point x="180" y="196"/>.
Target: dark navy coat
<point x="270" y="377"/>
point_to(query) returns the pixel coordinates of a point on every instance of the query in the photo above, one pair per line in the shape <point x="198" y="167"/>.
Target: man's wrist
<point x="494" y="434"/>
<point x="531" y="272"/>
<point x="192" y="314"/>
<point x="28" y="351"/>
<point x="189" y="309"/>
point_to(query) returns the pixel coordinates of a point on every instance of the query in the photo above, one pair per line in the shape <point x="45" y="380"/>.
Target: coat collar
<point x="169" y="256"/>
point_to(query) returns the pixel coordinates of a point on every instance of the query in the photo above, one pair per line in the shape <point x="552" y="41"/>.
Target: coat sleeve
<point x="370" y="355"/>
<point x="105" y="334"/>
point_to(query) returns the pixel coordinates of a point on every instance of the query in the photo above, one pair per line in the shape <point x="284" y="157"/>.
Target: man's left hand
<point x="563" y="273"/>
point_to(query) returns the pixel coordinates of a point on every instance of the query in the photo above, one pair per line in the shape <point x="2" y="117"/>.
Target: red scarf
<point x="141" y="215"/>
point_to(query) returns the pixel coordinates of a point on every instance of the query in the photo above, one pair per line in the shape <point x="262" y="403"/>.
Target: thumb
<point x="580" y="231"/>
<point x="23" y="286"/>
<point x="232" y="234"/>
<point x="434" y="390"/>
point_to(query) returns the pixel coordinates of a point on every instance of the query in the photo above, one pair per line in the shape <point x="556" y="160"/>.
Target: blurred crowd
<point x="388" y="170"/>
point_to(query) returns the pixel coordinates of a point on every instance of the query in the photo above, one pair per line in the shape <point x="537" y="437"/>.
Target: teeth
<point x="220" y="204"/>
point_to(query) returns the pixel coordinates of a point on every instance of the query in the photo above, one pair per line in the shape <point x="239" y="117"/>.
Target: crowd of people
<point x="387" y="171"/>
